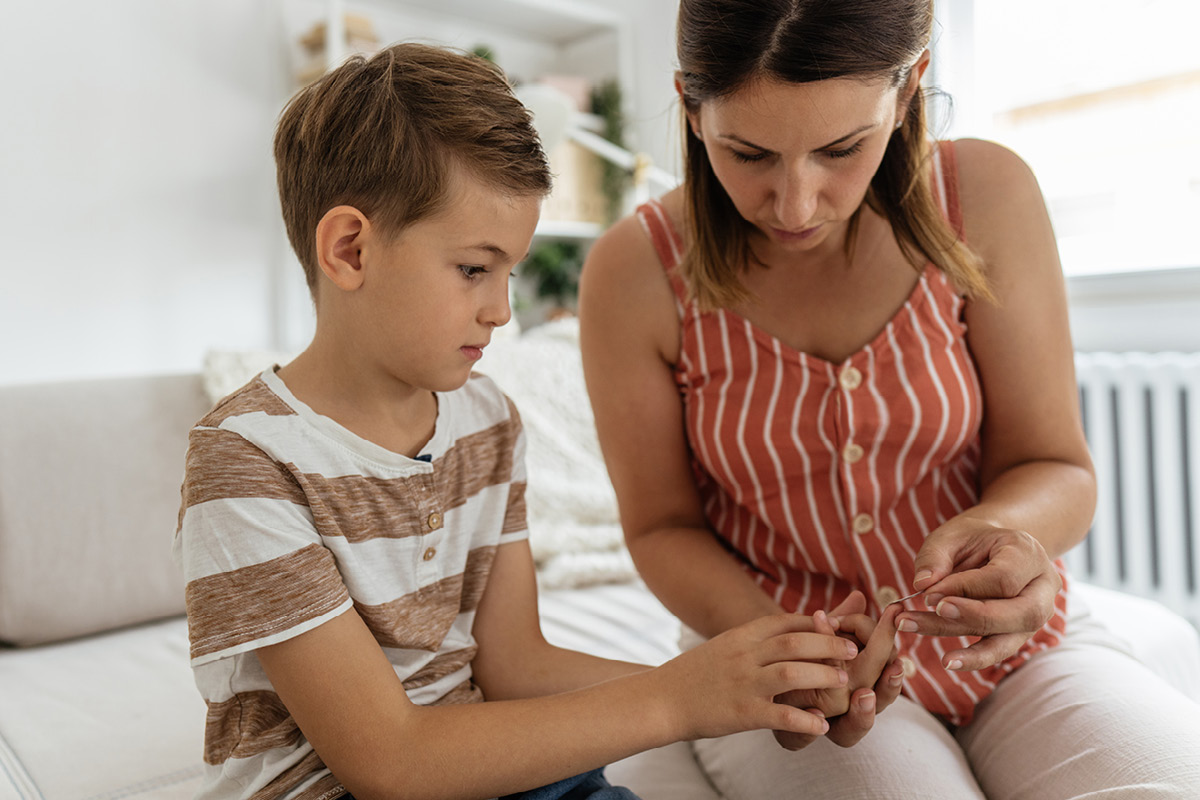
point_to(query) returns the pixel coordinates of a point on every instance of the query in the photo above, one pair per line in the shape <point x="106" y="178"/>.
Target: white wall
<point x="136" y="203"/>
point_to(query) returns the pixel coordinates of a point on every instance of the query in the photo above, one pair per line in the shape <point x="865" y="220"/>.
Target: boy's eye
<point x="471" y="271"/>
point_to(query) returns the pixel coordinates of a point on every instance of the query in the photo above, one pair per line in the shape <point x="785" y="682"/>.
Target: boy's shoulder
<point x="482" y="398"/>
<point x="254" y="397"/>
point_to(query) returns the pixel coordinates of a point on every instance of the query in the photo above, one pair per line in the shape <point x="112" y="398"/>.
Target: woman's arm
<point x="1038" y="491"/>
<point x="629" y="335"/>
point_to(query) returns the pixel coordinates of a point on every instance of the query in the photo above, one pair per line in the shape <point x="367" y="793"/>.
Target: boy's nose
<point x="497" y="311"/>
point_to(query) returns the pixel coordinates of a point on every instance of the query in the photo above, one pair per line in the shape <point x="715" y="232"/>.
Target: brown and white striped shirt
<point x="288" y="520"/>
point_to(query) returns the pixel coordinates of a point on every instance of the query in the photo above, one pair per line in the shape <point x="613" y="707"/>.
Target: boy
<point x="353" y="528"/>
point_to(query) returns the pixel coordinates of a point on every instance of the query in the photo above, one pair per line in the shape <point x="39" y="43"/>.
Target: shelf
<point x="558" y="22"/>
<point x="568" y="229"/>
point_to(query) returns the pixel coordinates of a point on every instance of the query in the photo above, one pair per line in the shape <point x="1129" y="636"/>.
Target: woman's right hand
<point x="729" y="683"/>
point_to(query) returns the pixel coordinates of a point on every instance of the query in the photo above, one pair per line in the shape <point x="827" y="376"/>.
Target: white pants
<point x="1081" y="720"/>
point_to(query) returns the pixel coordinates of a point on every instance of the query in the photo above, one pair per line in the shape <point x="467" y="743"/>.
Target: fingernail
<point x="867" y="702"/>
<point x="843" y="677"/>
<point x="948" y="611"/>
<point x="923" y="575"/>
<point x="907" y="625"/>
<point x="954" y="664"/>
<point x="897" y="679"/>
<point x="932" y="600"/>
<point x="851" y="650"/>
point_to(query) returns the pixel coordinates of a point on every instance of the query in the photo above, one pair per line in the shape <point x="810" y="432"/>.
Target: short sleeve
<point x="257" y="572"/>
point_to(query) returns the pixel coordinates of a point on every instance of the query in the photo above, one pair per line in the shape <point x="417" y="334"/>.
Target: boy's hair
<point x="383" y="134"/>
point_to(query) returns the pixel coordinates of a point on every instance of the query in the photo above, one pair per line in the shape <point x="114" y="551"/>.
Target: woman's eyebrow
<point x="834" y="143"/>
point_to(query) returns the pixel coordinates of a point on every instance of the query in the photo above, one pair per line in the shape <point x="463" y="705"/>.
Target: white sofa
<point x="96" y="697"/>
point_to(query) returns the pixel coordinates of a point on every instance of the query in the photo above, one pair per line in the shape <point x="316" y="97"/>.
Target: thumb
<point x="934" y="561"/>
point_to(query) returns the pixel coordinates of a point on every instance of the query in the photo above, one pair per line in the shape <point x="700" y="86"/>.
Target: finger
<point x="858" y="626"/>
<point x="934" y="561"/>
<point x="794" y="720"/>
<point x="1012" y="564"/>
<point x="855" y="603"/>
<point x="857" y="722"/>
<point x="788" y="676"/>
<point x="794" y="741"/>
<point x="987" y="652"/>
<point x="866" y="668"/>
<point x="960" y="616"/>
<point x="889" y="685"/>
<point x="775" y="624"/>
<point x="807" y="647"/>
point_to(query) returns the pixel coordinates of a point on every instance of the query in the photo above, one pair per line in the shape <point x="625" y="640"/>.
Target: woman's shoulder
<point x="997" y="191"/>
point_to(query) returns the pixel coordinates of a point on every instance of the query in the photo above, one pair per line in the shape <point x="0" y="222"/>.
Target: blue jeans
<point x="588" y="786"/>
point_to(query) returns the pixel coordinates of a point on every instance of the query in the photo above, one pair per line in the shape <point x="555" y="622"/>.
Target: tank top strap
<point x="945" y="184"/>
<point x="668" y="244"/>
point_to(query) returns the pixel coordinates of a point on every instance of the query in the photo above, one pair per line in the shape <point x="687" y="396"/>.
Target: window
<point x="1102" y="99"/>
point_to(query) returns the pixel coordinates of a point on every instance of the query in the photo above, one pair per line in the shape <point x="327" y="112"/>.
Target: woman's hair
<point x="384" y="134"/>
<point x="725" y="44"/>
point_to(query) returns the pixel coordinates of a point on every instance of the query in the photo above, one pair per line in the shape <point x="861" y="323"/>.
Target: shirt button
<point x="908" y="665"/>
<point x="852" y="453"/>
<point x="863" y="524"/>
<point x="429" y="553"/>
<point x="434" y="521"/>
<point x="850" y="379"/>
<point x="886" y="596"/>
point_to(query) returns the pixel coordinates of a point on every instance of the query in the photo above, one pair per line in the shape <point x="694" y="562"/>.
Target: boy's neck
<point x="375" y="407"/>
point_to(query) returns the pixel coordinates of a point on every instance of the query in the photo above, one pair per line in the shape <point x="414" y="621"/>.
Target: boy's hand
<point x="729" y="683"/>
<point x="874" y="677"/>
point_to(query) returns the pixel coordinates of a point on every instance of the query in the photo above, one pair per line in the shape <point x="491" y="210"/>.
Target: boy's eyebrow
<point x="834" y="143"/>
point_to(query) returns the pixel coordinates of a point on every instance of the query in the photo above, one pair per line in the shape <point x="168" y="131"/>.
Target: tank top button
<point x="852" y="453"/>
<point x="850" y="379"/>
<point x="863" y="524"/>
<point x="908" y="665"/>
<point x="886" y="596"/>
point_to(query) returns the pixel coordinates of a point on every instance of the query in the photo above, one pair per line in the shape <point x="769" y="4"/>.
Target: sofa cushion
<point x="108" y="716"/>
<point x="89" y="500"/>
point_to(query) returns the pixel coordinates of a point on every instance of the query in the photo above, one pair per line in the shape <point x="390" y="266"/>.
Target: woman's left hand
<point x="982" y="580"/>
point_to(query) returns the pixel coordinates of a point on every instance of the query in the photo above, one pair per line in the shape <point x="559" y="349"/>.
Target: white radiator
<point x="1141" y="413"/>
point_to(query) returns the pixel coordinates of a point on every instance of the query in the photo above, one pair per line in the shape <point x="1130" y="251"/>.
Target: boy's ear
<point x="340" y="238"/>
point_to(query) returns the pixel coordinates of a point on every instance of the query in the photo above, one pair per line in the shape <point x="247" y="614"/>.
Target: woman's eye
<point x="471" y="271"/>
<point x="845" y="153"/>
<point x="747" y="157"/>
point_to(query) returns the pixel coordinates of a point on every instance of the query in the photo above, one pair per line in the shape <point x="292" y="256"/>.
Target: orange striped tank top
<point x="826" y="477"/>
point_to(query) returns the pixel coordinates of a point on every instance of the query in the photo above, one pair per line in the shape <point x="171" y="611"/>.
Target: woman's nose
<point x="796" y="198"/>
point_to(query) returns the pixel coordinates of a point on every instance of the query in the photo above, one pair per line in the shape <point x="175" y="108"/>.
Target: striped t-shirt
<point x="288" y="520"/>
<point x="827" y="477"/>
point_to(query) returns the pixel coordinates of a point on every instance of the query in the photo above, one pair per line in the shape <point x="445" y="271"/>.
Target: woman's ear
<point x="693" y="119"/>
<point x="914" y="81"/>
<point x="340" y="235"/>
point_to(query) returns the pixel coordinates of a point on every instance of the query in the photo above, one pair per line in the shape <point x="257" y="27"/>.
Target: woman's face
<point x="797" y="158"/>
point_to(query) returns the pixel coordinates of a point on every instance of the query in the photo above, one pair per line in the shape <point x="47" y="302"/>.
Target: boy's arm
<point x="514" y="660"/>
<point x="347" y="700"/>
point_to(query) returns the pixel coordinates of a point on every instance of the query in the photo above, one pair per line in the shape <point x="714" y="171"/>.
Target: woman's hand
<point x="982" y="580"/>
<point x="874" y="676"/>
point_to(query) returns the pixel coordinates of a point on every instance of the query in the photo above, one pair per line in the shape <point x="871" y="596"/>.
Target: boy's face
<point x="432" y="296"/>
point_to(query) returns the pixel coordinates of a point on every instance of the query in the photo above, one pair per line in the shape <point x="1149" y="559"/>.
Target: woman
<point x="837" y="360"/>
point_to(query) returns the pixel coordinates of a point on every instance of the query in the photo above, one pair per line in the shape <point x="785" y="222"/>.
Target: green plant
<point x="614" y="180"/>
<point x="485" y="52"/>
<point x="554" y="267"/>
